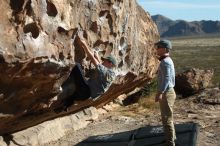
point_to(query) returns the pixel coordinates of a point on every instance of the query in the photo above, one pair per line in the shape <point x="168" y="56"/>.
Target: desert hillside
<point x="173" y="28"/>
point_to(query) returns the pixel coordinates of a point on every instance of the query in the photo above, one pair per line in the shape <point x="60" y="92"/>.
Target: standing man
<point x="166" y="95"/>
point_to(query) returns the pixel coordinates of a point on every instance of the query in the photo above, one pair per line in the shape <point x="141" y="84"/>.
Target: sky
<point x="189" y="10"/>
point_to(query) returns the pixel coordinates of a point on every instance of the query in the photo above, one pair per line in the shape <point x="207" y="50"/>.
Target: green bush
<point x="149" y="88"/>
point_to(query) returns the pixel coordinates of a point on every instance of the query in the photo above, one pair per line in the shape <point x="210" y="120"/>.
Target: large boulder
<point x="192" y="81"/>
<point x="38" y="49"/>
<point x="209" y="96"/>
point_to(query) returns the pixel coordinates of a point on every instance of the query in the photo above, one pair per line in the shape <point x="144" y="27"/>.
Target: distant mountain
<point x="171" y="28"/>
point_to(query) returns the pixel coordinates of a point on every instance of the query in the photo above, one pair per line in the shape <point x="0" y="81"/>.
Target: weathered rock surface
<point x="51" y="130"/>
<point x="36" y="55"/>
<point x="209" y="96"/>
<point x="193" y="80"/>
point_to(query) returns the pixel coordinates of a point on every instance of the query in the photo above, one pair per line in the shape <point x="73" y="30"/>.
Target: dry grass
<point x="197" y="42"/>
<point x="143" y="107"/>
<point x="203" y="53"/>
<point x="148" y="102"/>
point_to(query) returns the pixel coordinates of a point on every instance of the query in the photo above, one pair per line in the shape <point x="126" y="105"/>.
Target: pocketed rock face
<point x="36" y="54"/>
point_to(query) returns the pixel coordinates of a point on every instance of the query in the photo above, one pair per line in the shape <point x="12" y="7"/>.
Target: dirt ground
<point x="146" y="112"/>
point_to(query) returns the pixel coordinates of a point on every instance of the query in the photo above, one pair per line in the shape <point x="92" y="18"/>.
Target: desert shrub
<point x="149" y="88"/>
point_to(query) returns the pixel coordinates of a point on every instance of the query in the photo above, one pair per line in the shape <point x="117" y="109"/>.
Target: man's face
<point x="160" y="51"/>
<point x="107" y="64"/>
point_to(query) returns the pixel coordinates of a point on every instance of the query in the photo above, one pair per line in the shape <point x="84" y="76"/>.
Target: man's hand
<point x="158" y="97"/>
<point x="81" y="41"/>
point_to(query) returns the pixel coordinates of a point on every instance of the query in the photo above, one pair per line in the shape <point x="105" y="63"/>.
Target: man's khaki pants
<point x="166" y="108"/>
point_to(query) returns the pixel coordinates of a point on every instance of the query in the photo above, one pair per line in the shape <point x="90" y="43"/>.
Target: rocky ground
<point x="203" y="108"/>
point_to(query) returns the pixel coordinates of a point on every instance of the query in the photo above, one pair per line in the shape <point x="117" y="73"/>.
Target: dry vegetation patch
<point x="203" y="53"/>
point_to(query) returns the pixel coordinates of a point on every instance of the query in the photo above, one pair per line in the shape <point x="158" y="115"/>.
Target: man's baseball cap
<point x="111" y="59"/>
<point x="164" y="44"/>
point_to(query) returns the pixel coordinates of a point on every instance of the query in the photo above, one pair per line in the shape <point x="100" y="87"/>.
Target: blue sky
<point x="189" y="10"/>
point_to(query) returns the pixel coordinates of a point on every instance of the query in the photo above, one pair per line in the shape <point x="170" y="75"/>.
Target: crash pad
<point x="145" y="136"/>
